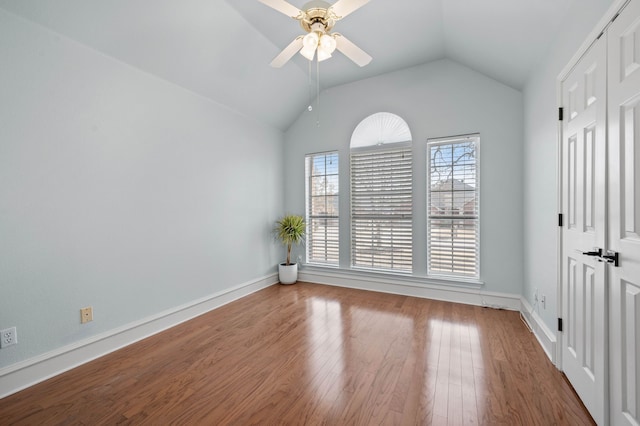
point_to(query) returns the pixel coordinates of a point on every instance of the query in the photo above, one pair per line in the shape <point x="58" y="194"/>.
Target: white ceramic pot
<point x="288" y="273"/>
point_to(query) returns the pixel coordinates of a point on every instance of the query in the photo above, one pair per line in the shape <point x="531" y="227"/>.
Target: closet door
<point x="584" y="301"/>
<point x="624" y="214"/>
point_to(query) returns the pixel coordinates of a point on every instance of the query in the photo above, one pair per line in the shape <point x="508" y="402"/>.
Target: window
<point x="381" y="209"/>
<point x="381" y="198"/>
<point x="452" y="207"/>
<point x="322" y="208"/>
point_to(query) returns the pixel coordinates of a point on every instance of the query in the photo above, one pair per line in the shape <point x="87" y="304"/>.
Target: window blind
<point x="381" y="209"/>
<point x="453" y="207"/>
<point x="322" y="194"/>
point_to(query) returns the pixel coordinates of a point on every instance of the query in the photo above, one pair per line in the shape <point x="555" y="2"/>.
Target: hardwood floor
<point x="313" y="354"/>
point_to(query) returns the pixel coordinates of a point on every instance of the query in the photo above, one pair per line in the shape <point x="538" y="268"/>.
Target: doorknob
<point x="611" y="257"/>
<point x="594" y="252"/>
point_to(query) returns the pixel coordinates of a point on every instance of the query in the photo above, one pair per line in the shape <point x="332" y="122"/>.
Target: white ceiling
<point x="221" y="49"/>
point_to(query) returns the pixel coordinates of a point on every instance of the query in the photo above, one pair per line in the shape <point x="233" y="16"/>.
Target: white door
<point x="584" y="295"/>
<point x="624" y="214"/>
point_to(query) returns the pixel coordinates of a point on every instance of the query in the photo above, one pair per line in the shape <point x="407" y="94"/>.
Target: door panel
<point x="584" y="355"/>
<point x="624" y="214"/>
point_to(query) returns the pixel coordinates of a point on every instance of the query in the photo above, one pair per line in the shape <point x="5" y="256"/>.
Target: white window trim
<point x="387" y="276"/>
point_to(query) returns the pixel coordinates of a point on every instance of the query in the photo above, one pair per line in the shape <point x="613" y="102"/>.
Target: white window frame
<point x="458" y="268"/>
<point x="394" y="251"/>
<point x="331" y="240"/>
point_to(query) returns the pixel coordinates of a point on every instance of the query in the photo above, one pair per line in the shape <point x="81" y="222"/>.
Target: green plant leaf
<point x="291" y="229"/>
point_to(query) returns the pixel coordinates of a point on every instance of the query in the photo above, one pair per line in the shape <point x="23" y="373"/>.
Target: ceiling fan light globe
<point x="310" y="41"/>
<point x="327" y="43"/>
<point x="308" y="52"/>
<point x="323" y="54"/>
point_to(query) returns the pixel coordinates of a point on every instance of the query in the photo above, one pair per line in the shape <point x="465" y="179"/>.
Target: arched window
<point x="381" y="194"/>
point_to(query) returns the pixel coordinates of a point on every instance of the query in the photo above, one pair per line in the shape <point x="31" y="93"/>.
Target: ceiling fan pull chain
<point x="318" y="91"/>
<point x="310" y="107"/>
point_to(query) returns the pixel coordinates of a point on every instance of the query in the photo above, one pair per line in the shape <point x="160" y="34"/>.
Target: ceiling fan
<point x="318" y="18"/>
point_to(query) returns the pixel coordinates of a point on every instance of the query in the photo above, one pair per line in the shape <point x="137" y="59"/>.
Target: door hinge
<point x="560" y="114"/>
<point x="559" y="324"/>
<point x="559" y="219"/>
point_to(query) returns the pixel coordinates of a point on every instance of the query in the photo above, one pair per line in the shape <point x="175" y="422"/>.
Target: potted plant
<point x="290" y="230"/>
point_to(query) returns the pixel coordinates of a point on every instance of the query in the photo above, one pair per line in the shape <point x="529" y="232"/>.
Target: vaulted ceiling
<point x="221" y="49"/>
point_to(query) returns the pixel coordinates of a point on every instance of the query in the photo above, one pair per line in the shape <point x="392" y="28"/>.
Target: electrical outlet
<point x="86" y="315"/>
<point x="9" y="337"/>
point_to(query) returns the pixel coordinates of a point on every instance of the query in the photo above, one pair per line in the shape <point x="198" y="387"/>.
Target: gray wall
<point x="540" y="153"/>
<point x="121" y="191"/>
<point x="438" y="99"/>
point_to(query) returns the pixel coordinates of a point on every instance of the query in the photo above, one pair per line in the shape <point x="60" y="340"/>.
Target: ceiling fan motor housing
<point x="317" y="12"/>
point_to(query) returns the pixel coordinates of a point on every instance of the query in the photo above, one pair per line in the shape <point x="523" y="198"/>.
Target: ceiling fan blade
<point x="351" y="51"/>
<point x="283" y="7"/>
<point x="287" y="53"/>
<point x="344" y="7"/>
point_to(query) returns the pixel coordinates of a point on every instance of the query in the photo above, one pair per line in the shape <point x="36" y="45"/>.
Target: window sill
<point x="387" y="276"/>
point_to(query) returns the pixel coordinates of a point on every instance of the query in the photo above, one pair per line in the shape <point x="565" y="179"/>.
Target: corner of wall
<point x="543" y="334"/>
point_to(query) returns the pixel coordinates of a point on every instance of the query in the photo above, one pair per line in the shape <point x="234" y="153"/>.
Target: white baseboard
<point x="545" y="336"/>
<point x="32" y="371"/>
<point x="410" y="286"/>
<point x="29" y="372"/>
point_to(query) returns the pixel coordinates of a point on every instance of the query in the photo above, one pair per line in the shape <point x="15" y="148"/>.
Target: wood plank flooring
<point x="313" y="354"/>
